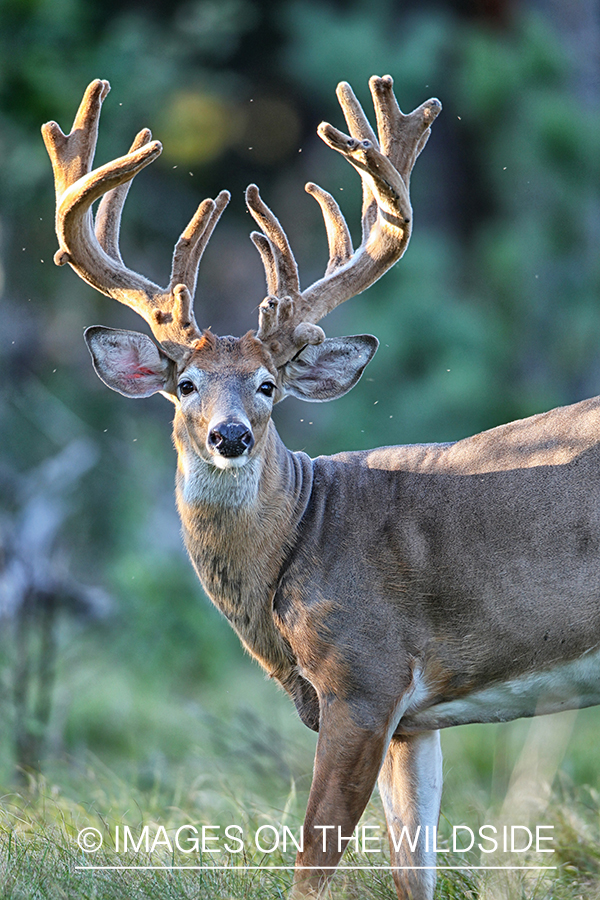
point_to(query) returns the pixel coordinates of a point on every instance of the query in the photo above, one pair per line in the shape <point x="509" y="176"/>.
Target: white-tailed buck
<point x="391" y="592"/>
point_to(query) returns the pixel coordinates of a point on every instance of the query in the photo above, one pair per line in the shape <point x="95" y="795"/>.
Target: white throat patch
<point x="226" y="482"/>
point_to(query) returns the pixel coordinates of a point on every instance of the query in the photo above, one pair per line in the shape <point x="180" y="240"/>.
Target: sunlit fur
<point x="369" y="584"/>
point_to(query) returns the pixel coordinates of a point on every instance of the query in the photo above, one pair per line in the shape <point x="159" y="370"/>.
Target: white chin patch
<point x="229" y="462"/>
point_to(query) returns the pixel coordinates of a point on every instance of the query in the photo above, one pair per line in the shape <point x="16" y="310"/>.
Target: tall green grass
<point x="240" y="774"/>
<point x="145" y="745"/>
<point x="40" y="858"/>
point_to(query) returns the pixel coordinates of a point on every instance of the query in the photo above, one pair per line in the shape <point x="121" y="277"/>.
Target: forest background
<point x="111" y="660"/>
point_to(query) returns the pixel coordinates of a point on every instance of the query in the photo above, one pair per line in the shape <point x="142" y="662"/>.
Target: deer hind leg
<point x="410" y="784"/>
<point x="347" y="762"/>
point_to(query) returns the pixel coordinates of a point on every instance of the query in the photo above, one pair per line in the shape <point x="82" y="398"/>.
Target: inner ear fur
<point x="328" y="370"/>
<point x="130" y="362"/>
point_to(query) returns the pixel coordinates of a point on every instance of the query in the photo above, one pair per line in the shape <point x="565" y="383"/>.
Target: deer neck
<point x="239" y="526"/>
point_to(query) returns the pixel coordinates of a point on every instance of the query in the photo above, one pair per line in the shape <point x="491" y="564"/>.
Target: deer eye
<point x="267" y="388"/>
<point x="186" y="387"/>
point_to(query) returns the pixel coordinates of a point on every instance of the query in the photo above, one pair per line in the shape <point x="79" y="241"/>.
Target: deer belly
<point x="567" y="685"/>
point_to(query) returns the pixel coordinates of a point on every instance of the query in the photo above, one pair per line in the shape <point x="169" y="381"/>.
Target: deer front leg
<point x="410" y="784"/>
<point x="347" y="762"/>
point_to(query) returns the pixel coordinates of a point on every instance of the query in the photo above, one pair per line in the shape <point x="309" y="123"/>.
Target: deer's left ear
<point x="129" y="362"/>
<point x="326" y="371"/>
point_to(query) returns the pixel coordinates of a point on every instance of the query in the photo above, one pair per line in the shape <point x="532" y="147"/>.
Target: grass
<point x="40" y="858"/>
<point x="234" y="753"/>
<point x="39" y="825"/>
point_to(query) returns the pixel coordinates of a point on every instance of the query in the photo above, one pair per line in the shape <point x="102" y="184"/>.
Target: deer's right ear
<point x="128" y="362"/>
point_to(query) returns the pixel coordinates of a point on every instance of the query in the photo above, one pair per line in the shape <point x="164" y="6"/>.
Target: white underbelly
<point x="564" y="686"/>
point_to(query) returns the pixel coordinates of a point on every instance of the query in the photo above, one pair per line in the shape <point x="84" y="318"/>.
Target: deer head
<point x="224" y="388"/>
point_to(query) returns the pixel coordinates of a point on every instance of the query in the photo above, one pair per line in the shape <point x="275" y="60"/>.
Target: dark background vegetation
<point x="108" y="647"/>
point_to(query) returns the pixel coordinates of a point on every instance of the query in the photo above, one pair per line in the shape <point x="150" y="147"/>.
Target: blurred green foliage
<point x="493" y="314"/>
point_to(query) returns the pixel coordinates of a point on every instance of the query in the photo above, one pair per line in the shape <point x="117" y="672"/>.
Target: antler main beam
<point x="92" y="248"/>
<point x="288" y="317"/>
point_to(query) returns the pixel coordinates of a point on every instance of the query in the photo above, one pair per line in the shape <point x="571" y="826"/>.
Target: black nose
<point x="230" y="439"/>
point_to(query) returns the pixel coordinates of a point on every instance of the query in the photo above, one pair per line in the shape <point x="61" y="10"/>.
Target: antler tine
<point x="402" y="137"/>
<point x="92" y="250"/>
<point x="268" y="260"/>
<point x="192" y="243"/>
<point x="278" y="326"/>
<point x="338" y="235"/>
<point x="359" y="128"/>
<point x="288" y="283"/>
<point x="107" y="223"/>
<point x="384" y="164"/>
<point x="72" y="155"/>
